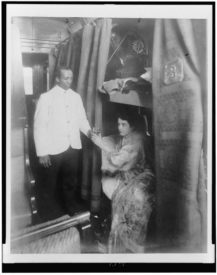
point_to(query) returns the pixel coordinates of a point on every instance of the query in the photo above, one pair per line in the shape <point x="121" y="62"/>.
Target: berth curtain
<point x="94" y="55"/>
<point x="179" y="136"/>
<point x="66" y="54"/>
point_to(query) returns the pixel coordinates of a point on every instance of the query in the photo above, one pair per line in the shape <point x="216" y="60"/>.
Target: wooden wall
<point x="20" y="209"/>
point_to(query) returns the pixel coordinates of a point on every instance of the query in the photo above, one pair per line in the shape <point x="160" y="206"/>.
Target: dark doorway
<point x="35" y="79"/>
<point x="35" y="66"/>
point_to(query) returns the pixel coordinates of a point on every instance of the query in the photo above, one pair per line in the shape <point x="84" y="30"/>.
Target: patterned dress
<point x="132" y="185"/>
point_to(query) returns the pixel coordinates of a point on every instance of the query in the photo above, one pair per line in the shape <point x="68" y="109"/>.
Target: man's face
<point x="65" y="79"/>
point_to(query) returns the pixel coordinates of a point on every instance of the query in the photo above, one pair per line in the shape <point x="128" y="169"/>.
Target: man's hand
<point x="45" y="161"/>
<point x="89" y="134"/>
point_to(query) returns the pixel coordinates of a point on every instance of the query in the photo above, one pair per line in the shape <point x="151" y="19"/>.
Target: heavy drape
<point x="178" y="126"/>
<point x="66" y="54"/>
<point x="86" y="53"/>
<point x="94" y="55"/>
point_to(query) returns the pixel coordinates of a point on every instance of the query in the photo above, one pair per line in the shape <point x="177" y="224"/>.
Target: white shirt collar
<point x="60" y="89"/>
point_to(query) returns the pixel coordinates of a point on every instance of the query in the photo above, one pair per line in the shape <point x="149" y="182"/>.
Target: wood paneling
<point x="19" y="201"/>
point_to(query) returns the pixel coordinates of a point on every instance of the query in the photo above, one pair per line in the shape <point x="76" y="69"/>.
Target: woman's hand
<point x="97" y="140"/>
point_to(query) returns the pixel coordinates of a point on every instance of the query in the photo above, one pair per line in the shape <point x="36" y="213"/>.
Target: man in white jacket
<point x="59" y="118"/>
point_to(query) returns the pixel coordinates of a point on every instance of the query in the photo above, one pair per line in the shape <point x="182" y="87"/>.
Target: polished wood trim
<point x="29" y="176"/>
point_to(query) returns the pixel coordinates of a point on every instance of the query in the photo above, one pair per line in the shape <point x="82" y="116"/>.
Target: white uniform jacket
<point x="59" y="118"/>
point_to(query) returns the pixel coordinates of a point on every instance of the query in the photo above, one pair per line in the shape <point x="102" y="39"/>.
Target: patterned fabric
<point x="178" y="125"/>
<point x="133" y="195"/>
<point x="132" y="204"/>
<point x="127" y="153"/>
<point x="66" y="241"/>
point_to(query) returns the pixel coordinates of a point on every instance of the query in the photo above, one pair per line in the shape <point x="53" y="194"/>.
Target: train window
<point x="28" y="80"/>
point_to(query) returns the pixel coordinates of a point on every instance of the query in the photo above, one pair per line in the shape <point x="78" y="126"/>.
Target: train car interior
<point x="118" y="65"/>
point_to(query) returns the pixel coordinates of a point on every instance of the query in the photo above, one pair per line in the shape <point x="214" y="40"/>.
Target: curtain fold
<point x="92" y="77"/>
<point x="86" y="47"/>
<point x="75" y="57"/>
<point x="103" y="51"/>
<point x="178" y="126"/>
<point x="66" y="54"/>
<point x="69" y="51"/>
<point x="52" y="58"/>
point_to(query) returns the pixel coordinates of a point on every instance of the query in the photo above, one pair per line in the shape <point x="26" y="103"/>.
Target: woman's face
<point x="124" y="127"/>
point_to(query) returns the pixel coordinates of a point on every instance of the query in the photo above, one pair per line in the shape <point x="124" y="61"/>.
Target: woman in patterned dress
<point x="129" y="182"/>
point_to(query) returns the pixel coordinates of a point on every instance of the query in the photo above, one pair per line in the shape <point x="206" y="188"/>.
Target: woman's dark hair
<point x="132" y="117"/>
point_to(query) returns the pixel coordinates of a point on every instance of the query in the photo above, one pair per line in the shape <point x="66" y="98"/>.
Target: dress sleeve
<point x="41" y="136"/>
<point x="127" y="155"/>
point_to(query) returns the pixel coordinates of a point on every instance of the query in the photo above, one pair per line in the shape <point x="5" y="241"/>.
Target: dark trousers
<point x="58" y="187"/>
